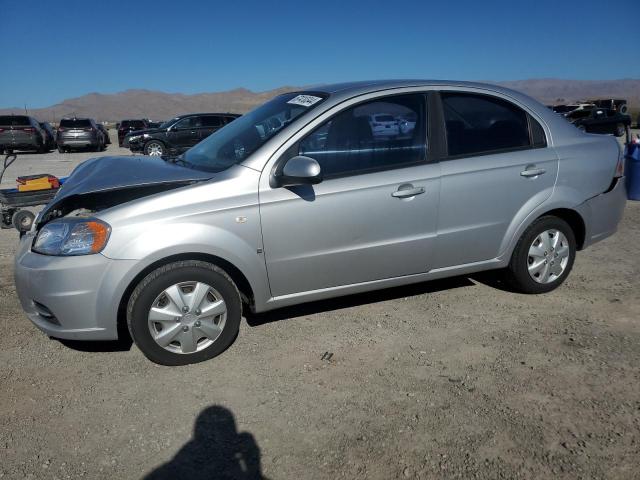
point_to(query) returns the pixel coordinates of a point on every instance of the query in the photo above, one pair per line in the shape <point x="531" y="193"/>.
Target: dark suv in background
<point x="74" y="133"/>
<point x="127" y="126"/>
<point x="178" y="134"/>
<point x="21" y="132"/>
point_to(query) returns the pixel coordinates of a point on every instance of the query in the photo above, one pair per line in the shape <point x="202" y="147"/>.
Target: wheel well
<point x="246" y="292"/>
<point x="574" y="220"/>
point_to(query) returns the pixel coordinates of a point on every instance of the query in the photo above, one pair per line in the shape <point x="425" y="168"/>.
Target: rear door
<point x="210" y="123"/>
<point x="497" y="167"/>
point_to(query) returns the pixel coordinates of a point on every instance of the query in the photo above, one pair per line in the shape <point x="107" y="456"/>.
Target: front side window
<point x="377" y="135"/>
<point x="189" y="122"/>
<point x="480" y="124"/>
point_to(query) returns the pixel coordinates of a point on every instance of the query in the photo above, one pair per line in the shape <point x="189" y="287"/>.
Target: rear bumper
<point x="79" y="141"/>
<point x="603" y="213"/>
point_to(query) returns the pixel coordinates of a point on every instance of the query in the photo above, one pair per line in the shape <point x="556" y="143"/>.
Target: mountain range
<point x="160" y="105"/>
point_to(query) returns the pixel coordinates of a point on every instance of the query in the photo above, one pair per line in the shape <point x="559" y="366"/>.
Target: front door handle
<point x="405" y="191"/>
<point x="532" y="172"/>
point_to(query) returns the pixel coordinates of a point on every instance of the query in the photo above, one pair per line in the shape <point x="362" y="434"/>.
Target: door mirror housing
<point x="298" y="170"/>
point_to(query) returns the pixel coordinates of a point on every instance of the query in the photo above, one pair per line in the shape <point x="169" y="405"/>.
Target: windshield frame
<point x="247" y="125"/>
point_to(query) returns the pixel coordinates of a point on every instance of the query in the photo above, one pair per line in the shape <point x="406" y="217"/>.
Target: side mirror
<point x="298" y="170"/>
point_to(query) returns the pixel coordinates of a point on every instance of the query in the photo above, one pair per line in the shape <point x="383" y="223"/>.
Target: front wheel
<point x="154" y="148"/>
<point x="184" y="312"/>
<point x="543" y="256"/>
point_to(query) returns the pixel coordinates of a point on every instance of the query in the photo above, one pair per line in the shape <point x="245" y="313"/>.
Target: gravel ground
<point x="448" y="379"/>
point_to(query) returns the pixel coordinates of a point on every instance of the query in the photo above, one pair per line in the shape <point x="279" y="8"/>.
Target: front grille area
<point x="45" y="313"/>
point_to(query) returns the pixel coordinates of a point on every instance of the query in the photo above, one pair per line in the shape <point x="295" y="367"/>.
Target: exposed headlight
<point x="72" y="236"/>
<point x="135" y="138"/>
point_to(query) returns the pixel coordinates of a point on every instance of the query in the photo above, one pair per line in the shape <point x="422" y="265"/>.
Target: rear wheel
<point x="543" y="256"/>
<point x="184" y="312"/>
<point x="154" y="148"/>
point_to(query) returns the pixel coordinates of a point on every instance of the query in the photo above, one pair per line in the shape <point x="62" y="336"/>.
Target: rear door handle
<point x="532" y="172"/>
<point x="405" y="191"/>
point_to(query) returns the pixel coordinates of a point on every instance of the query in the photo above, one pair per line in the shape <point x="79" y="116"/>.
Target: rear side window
<point x="211" y="121"/>
<point x="478" y="124"/>
<point x="14" y="120"/>
<point x="229" y="119"/>
<point x="378" y="135"/>
<point x="75" y="123"/>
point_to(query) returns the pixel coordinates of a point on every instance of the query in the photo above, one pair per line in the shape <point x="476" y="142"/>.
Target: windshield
<point x="237" y="140"/>
<point x="168" y="123"/>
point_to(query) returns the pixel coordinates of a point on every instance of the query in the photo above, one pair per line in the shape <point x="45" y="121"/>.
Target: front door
<point x="185" y="133"/>
<point x="374" y="216"/>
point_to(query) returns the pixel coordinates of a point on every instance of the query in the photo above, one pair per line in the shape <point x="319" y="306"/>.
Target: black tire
<point x="162" y="278"/>
<point x="517" y="273"/>
<point x="620" y="130"/>
<point x="154" y="144"/>
<point x="22" y="220"/>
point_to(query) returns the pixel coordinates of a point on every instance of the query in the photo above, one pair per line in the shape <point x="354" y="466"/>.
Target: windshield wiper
<point x="176" y="159"/>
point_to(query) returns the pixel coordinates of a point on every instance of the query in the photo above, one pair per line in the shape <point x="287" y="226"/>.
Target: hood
<point x="149" y="131"/>
<point x="135" y="173"/>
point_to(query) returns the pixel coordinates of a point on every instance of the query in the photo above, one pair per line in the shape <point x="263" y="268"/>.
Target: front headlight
<point x="72" y="236"/>
<point x="135" y="138"/>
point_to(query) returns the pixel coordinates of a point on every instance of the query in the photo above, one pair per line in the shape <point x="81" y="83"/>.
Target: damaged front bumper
<point x="75" y="298"/>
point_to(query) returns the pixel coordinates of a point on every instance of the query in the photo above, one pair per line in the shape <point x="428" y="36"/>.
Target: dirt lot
<point x="448" y="379"/>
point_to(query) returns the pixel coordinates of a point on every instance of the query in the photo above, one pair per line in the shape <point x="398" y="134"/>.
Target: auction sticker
<point x="304" y="100"/>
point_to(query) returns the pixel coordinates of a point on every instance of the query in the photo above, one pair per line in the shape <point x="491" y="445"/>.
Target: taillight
<point x="29" y="129"/>
<point x="2" y="129"/>
<point x="61" y="129"/>
<point x="89" y="129"/>
<point x="620" y="165"/>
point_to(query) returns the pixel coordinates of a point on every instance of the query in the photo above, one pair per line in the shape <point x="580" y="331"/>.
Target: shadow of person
<point x="217" y="451"/>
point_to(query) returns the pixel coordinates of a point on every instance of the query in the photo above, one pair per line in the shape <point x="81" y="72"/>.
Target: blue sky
<point x="52" y="50"/>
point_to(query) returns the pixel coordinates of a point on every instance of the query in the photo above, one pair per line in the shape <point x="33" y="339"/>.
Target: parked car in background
<point x="254" y="221"/>
<point x="154" y="124"/>
<point x="384" y="125"/>
<point x="178" y="134"/>
<point x="600" y="120"/>
<point x="127" y="126"/>
<point x="50" y="136"/>
<point x="105" y="133"/>
<point x="616" y="104"/>
<point x="79" y="133"/>
<point x="21" y="132"/>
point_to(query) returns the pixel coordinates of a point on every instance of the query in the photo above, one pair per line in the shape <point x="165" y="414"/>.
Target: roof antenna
<point x="26" y="112"/>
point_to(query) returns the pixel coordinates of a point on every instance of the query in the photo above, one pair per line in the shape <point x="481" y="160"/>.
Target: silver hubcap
<point x="548" y="256"/>
<point x="187" y="317"/>
<point x="154" y="149"/>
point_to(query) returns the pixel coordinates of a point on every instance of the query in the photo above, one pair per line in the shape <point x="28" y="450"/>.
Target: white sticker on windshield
<point x="304" y="100"/>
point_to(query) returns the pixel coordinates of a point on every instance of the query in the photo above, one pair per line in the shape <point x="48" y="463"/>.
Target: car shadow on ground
<point x="216" y="451"/>
<point x="123" y="344"/>
<point x="257" y="319"/>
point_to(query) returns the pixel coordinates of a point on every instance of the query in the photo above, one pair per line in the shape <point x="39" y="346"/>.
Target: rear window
<point x="16" y="121"/>
<point x="132" y="124"/>
<point x="384" y="118"/>
<point x="75" y="123"/>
